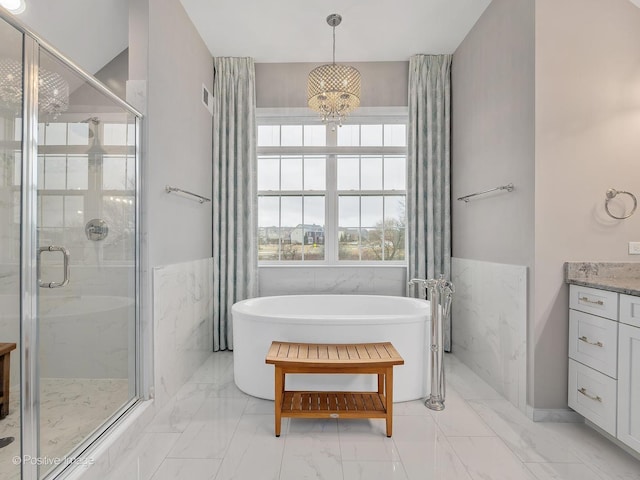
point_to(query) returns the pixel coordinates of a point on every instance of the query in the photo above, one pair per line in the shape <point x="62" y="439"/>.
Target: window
<point x="331" y="195"/>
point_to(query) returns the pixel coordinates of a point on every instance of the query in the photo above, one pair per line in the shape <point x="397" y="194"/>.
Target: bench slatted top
<point x="347" y="355"/>
<point x="6" y="348"/>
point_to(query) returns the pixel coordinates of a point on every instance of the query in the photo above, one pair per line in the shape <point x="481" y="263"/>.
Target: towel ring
<point x="611" y="193"/>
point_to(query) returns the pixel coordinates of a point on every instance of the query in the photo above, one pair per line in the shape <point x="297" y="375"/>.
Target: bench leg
<point x="389" y="398"/>
<point x="381" y="383"/>
<point x="279" y="390"/>
<point x="5" y="381"/>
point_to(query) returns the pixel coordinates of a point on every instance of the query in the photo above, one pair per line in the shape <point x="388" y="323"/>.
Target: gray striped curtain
<point x="235" y="254"/>
<point x="429" y="170"/>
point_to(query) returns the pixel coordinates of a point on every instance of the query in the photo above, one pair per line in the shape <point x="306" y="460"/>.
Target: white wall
<point x="166" y="74"/>
<point x="587" y="140"/>
<point x="586" y="99"/>
<point x="384" y="84"/>
<point x="493" y="135"/>
<point x="493" y="144"/>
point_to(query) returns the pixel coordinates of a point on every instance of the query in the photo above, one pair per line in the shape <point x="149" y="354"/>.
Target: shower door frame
<point x="29" y="288"/>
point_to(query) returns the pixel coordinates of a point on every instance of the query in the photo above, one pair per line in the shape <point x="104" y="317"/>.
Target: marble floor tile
<point x="218" y="367"/>
<point x="177" y="414"/>
<point x="598" y="453"/>
<point x="191" y="469"/>
<point x="466" y="382"/>
<point x="530" y="441"/>
<point x="254" y="451"/>
<point x="366" y="440"/>
<point x="259" y="406"/>
<point x="371" y="470"/>
<point x="424" y="450"/>
<point x="312" y="450"/>
<point x="488" y="458"/>
<point x="205" y="439"/>
<point x="143" y="461"/>
<point x="311" y="456"/>
<point x="562" y="471"/>
<point x="210" y="430"/>
<point x="458" y="419"/>
<point x="414" y="407"/>
<point x="214" y="409"/>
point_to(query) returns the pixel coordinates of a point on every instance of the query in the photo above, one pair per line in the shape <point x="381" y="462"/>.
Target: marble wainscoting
<point x="489" y="322"/>
<point x="299" y="280"/>
<point x="183" y="323"/>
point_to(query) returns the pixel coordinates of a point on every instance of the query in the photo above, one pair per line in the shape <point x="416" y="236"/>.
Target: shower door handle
<point x="66" y="256"/>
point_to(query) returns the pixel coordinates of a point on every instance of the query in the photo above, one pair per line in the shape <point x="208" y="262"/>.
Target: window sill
<point x="327" y="265"/>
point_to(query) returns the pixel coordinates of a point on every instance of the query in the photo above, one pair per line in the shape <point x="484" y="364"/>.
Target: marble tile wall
<point x="489" y="319"/>
<point x="279" y="280"/>
<point x="183" y="323"/>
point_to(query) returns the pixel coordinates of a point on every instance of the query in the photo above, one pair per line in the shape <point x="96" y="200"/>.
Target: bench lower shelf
<point x="333" y="404"/>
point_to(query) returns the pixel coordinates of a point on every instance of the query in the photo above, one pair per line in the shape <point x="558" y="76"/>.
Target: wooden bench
<point x="358" y="358"/>
<point x="5" y="376"/>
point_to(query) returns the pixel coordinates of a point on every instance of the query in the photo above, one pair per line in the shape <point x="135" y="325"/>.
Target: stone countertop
<point x="614" y="277"/>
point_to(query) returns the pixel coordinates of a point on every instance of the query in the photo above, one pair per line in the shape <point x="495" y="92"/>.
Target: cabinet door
<point x="630" y="310"/>
<point x="629" y="386"/>
<point x="593" y="341"/>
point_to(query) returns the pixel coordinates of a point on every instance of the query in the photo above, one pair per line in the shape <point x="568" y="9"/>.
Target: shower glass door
<point x="10" y="182"/>
<point x="86" y="259"/>
<point x="69" y="186"/>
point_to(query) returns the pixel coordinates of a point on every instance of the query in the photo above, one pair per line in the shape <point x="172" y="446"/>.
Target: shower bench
<point x="5" y="376"/>
<point x="353" y="358"/>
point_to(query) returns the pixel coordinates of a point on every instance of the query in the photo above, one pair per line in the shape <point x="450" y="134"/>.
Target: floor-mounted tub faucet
<point x="439" y="293"/>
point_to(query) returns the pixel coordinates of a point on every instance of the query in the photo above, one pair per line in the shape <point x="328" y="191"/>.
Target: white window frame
<point x="303" y="116"/>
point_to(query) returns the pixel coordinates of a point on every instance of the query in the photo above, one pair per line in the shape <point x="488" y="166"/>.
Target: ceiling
<point x="296" y="30"/>
<point x="91" y="33"/>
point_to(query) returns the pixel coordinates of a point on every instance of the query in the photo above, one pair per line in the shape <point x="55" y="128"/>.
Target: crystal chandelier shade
<point x="333" y="90"/>
<point x="53" y="90"/>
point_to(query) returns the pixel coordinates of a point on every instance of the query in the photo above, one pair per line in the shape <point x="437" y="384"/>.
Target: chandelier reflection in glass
<point x="53" y="90"/>
<point x="333" y="90"/>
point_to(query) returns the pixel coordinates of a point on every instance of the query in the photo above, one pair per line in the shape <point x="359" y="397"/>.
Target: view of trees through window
<point x="332" y="195"/>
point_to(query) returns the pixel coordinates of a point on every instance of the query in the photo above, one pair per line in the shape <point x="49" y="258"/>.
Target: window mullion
<point x="331" y="202"/>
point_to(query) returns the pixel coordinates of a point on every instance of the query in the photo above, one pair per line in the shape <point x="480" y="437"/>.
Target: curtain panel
<point x="429" y="170"/>
<point x="235" y="256"/>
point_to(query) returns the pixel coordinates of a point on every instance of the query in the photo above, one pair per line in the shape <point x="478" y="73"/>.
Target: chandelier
<point x="333" y="90"/>
<point x="53" y="90"/>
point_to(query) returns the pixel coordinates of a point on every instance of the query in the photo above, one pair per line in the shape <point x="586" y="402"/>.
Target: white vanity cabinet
<point x="604" y="361"/>
<point x="593" y="355"/>
<point x="629" y="372"/>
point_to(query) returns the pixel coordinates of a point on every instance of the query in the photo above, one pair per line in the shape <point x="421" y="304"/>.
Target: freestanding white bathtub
<point x="402" y="321"/>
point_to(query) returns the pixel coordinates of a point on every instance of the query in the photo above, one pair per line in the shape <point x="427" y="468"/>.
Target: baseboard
<point x="558" y="415"/>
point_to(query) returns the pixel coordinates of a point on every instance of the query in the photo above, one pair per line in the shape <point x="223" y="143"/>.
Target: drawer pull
<point x="586" y="340"/>
<point x="583" y="391"/>
<point x="595" y="302"/>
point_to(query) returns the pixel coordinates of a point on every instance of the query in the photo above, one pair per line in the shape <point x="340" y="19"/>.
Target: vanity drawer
<point x="630" y="310"/>
<point x="594" y="342"/>
<point x="593" y="395"/>
<point x="594" y="301"/>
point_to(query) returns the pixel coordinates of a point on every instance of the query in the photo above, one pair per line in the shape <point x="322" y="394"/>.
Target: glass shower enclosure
<point x="68" y="257"/>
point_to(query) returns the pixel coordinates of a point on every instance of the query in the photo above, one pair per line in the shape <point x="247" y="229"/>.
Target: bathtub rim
<point x="242" y="307"/>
